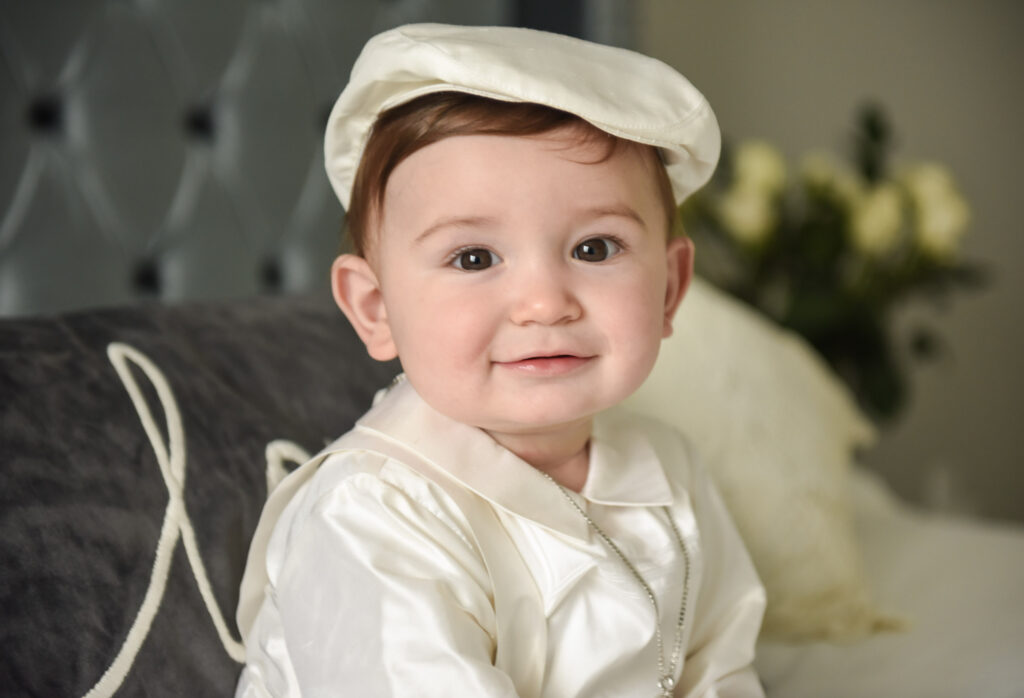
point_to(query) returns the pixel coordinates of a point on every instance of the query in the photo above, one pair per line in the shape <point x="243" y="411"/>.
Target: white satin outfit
<point x="371" y="581"/>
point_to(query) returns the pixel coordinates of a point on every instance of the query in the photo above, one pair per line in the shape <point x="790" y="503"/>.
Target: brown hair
<point x="402" y="130"/>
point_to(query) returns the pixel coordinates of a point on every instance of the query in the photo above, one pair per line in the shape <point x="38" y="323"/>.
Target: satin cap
<point x="621" y="92"/>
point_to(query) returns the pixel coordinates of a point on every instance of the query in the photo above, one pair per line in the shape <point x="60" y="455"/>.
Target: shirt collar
<point x="624" y="469"/>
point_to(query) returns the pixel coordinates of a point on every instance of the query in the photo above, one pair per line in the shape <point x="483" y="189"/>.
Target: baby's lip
<point x="542" y="355"/>
<point x="546" y="365"/>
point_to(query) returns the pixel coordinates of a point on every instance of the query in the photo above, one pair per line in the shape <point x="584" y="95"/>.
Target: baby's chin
<point x="532" y="421"/>
<point x="537" y="427"/>
<point x="542" y="411"/>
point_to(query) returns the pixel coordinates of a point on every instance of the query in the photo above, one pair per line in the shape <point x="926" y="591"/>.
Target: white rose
<point x="851" y="188"/>
<point x="877" y="220"/>
<point x="942" y="213"/>
<point x="747" y="213"/>
<point x="819" y="169"/>
<point x="941" y="222"/>
<point x="759" y="165"/>
<point x="928" y="181"/>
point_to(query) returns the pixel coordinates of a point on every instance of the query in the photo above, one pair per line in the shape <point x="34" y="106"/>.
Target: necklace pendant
<point x="666" y="683"/>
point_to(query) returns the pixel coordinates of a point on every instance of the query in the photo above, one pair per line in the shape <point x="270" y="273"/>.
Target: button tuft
<point x="146" y="279"/>
<point x="46" y="114"/>
<point x="199" y="123"/>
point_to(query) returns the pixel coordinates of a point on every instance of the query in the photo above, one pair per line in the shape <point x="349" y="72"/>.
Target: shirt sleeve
<point x="729" y="607"/>
<point x="378" y="591"/>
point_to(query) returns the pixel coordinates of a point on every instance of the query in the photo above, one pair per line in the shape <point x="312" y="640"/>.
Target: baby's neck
<point x="563" y="454"/>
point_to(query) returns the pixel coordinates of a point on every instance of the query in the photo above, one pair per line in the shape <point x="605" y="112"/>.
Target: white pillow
<point x="777" y="432"/>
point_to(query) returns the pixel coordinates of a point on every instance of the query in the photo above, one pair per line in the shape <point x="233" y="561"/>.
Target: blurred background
<point x="947" y="74"/>
<point x="170" y="149"/>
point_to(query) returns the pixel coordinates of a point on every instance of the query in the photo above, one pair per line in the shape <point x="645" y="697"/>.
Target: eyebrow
<point x="613" y="210"/>
<point x="616" y="210"/>
<point x="452" y="221"/>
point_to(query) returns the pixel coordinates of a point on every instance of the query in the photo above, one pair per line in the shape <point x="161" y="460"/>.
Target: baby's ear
<point x="357" y="292"/>
<point x="679" y="257"/>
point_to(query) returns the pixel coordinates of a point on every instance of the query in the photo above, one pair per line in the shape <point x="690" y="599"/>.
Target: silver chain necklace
<point x="666" y="679"/>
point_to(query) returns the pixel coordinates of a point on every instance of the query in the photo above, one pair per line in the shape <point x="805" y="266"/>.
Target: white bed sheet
<point x="960" y="585"/>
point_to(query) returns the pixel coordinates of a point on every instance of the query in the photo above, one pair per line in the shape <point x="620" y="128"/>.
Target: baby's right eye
<point x="474" y="259"/>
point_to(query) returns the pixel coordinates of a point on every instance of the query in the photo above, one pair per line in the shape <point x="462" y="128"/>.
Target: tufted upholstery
<point x="171" y="148"/>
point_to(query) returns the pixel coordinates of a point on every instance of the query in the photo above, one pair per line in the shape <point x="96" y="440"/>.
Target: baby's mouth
<point x="553" y="365"/>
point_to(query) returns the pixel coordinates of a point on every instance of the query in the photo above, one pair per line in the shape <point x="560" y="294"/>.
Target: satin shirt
<point x="374" y="586"/>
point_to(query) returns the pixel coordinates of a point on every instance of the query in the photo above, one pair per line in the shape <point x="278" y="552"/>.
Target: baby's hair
<point x="402" y="130"/>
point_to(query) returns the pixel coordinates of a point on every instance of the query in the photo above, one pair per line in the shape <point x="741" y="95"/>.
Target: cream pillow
<point x="776" y="430"/>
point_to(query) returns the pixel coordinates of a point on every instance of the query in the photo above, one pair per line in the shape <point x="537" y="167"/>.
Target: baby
<point x="492" y="526"/>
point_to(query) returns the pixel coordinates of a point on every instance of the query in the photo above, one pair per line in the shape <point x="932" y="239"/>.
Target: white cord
<point x="171" y="459"/>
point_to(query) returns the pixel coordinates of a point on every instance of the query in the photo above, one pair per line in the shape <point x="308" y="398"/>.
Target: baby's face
<point x="526" y="286"/>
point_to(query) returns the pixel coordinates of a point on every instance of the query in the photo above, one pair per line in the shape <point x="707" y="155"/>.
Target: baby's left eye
<point x="595" y="250"/>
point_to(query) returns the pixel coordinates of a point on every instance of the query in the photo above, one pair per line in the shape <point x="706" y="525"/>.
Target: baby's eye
<point x="475" y="259"/>
<point x="595" y="250"/>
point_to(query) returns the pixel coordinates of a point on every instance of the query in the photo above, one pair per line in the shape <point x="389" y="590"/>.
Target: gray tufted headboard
<point x="172" y="148"/>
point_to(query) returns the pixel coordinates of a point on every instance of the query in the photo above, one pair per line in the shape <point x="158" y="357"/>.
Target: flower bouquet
<point x="831" y="252"/>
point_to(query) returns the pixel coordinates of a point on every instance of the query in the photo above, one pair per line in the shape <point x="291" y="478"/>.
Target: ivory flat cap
<point x="621" y="92"/>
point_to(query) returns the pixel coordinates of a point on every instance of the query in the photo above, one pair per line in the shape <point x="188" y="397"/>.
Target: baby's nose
<point x="546" y="297"/>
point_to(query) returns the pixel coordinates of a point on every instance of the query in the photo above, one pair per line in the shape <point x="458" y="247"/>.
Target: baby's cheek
<point x="636" y="303"/>
<point x="453" y="335"/>
<point x="473" y="318"/>
<point x="637" y="322"/>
